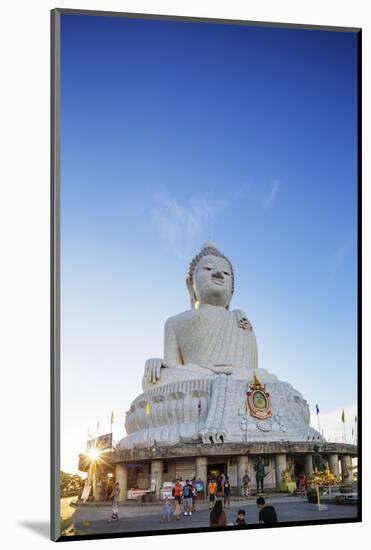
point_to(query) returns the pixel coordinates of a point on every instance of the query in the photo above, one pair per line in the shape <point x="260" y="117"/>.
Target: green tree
<point x="71" y="484"/>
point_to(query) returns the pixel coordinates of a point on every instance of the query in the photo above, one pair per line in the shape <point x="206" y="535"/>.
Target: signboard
<point x="102" y="443"/>
<point x="199" y="486"/>
<point x="85" y="493"/>
<point x="166" y="492"/>
<point x="133" y="494"/>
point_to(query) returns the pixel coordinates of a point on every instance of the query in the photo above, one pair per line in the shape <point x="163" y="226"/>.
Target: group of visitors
<point x="267" y="514"/>
<point x="183" y="494"/>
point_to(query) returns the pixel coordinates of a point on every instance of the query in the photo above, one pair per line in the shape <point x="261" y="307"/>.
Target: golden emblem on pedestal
<point x="259" y="400"/>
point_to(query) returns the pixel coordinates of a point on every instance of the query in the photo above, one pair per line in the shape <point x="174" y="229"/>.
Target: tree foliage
<point x="71" y="484"/>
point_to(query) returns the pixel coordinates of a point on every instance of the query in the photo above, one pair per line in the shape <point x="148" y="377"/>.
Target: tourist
<point x="222" y="480"/>
<point x="211" y="489"/>
<point x="217" y="515"/>
<point x="114" y="512"/>
<point x="227" y="493"/>
<point x="267" y="513"/>
<point x="194" y="494"/>
<point x="166" y="511"/>
<point x="302" y="482"/>
<point x="241" y="518"/>
<point x="115" y="492"/>
<point x="187" y="498"/>
<point x="246" y="485"/>
<point x="177" y="509"/>
<point x="108" y="489"/>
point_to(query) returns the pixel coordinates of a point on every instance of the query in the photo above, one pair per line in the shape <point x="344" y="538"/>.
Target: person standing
<point x="115" y="492"/>
<point x="217" y="515"/>
<point x="114" y="498"/>
<point x="302" y="482"/>
<point x="267" y="513"/>
<point x="166" y="511"/>
<point x="246" y="485"/>
<point x="194" y="494"/>
<point x="187" y="498"/>
<point x="177" y="494"/>
<point x="227" y="493"/>
<point x="211" y="489"/>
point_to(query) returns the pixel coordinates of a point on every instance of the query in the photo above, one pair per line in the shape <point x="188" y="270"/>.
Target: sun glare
<point x="93" y="454"/>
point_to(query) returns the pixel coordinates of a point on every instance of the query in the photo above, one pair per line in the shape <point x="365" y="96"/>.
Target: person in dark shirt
<point x="267" y="513"/>
<point x="227" y="493"/>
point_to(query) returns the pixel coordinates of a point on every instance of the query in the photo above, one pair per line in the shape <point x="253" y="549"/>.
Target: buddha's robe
<point x="204" y="342"/>
<point x="210" y="338"/>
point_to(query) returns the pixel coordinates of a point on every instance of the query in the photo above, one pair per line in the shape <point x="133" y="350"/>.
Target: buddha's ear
<point x="191" y="293"/>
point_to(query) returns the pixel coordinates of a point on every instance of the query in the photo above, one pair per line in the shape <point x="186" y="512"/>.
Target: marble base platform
<point x="214" y="411"/>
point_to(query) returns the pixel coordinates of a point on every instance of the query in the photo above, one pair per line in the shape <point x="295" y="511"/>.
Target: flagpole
<point x="343" y="421"/>
<point x="355" y="430"/>
<point x="319" y="424"/>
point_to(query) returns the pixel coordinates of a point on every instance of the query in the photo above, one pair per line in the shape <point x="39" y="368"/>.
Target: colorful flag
<point x="317" y="409"/>
<point x="148" y="408"/>
<point x="343" y="416"/>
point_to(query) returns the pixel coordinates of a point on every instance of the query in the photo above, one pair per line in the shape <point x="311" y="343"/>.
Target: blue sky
<point x="175" y="133"/>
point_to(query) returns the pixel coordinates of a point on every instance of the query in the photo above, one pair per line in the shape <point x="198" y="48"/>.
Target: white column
<point x="333" y="462"/>
<point x="157" y="468"/>
<point x="242" y="469"/>
<point x="122" y="480"/>
<point x="201" y="470"/>
<point x="346" y="463"/>
<point x="308" y="466"/>
<point x="280" y="467"/>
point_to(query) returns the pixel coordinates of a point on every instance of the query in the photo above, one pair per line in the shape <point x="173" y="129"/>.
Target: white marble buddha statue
<point x="208" y="339"/>
<point x="198" y="390"/>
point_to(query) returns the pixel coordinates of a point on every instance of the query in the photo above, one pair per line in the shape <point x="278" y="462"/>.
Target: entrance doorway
<point x="299" y="466"/>
<point x="215" y="471"/>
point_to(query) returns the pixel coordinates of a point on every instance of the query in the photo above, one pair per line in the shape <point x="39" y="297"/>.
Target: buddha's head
<point x="210" y="278"/>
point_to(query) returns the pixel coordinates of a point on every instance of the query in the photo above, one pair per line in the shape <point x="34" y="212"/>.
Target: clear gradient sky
<point x="174" y="133"/>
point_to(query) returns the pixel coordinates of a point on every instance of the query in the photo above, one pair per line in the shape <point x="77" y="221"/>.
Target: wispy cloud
<point x="183" y="225"/>
<point x="271" y="195"/>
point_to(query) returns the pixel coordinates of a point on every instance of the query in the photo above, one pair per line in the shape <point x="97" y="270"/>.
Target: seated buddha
<point x="208" y="339"/>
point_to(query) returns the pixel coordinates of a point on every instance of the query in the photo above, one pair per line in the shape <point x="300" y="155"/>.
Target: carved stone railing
<point x="176" y="403"/>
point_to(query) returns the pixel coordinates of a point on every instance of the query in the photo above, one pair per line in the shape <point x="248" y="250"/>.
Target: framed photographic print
<point x="205" y="275"/>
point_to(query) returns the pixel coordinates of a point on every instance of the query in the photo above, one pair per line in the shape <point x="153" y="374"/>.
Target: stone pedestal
<point x="122" y="479"/>
<point x="280" y="467"/>
<point x="333" y="462"/>
<point x="242" y="469"/>
<point x="201" y="469"/>
<point x="157" y="468"/>
<point x="308" y="466"/>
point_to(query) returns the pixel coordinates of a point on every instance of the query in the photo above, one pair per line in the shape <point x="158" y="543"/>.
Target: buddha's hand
<point x="152" y="369"/>
<point x="222" y="369"/>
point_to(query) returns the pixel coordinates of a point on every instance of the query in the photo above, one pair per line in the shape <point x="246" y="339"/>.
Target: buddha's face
<point x="212" y="281"/>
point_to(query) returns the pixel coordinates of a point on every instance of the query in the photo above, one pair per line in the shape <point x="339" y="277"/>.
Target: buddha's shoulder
<point x="181" y="317"/>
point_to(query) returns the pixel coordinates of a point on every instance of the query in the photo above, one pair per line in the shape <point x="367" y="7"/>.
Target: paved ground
<point x="143" y="518"/>
<point x="66" y="509"/>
